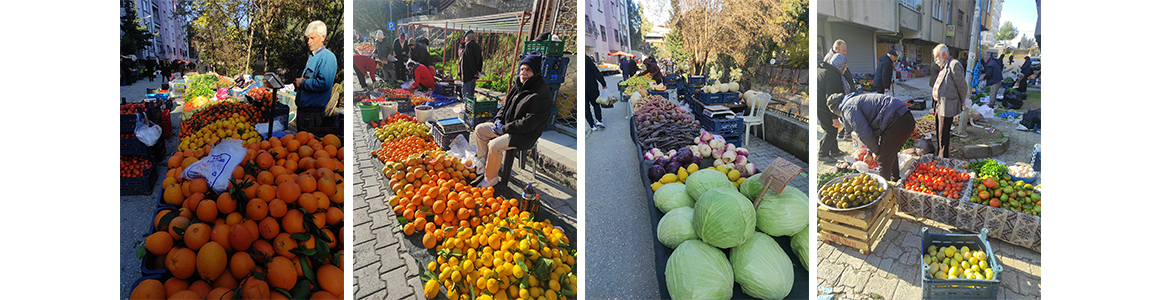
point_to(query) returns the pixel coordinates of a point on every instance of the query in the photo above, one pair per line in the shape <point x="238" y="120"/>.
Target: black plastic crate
<point x="472" y="121"/>
<point x="664" y="94"/>
<point x="444" y="140"/>
<point x="722" y="126"/>
<point x="917" y="104"/>
<point x="138" y="185"/>
<point x="553" y="69"/>
<point x="127" y="123"/>
<point x="132" y="146"/>
<point x="959" y="288"/>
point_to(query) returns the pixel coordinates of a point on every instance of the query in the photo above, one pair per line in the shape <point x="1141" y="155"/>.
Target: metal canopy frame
<point x="513" y="22"/>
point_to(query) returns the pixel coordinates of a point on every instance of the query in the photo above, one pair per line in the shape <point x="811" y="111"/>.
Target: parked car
<point x="1035" y="64"/>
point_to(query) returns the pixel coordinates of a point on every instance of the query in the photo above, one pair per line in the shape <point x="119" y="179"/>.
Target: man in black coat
<point x="829" y="81"/>
<point x="519" y="124"/>
<point x="593" y="78"/>
<point x="470" y="64"/>
<point x="402" y="53"/>
<point x="883" y="80"/>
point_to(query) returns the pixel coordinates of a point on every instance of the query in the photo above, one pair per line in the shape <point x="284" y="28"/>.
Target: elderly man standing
<point x="470" y="64"/>
<point x="315" y="86"/>
<point x="950" y="88"/>
<point x="884" y="79"/>
<point x="519" y="123"/>
<point x="830" y="81"/>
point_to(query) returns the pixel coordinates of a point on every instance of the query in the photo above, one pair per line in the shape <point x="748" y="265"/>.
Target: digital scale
<point x="451" y="125"/>
<point x="718" y="111"/>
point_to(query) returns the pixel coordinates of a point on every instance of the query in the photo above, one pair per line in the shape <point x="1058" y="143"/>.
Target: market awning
<point x="513" y="22"/>
<point x="622" y="53"/>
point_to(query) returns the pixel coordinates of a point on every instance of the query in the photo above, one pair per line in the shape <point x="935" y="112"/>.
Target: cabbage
<point x="698" y="271"/>
<point x="761" y="267"/>
<point x="677" y="226"/>
<point x="672" y="195"/>
<point x="706" y="179"/>
<point x="784" y="213"/>
<point x="724" y="218"/>
<point x="800" y="245"/>
<point x="751" y="187"/>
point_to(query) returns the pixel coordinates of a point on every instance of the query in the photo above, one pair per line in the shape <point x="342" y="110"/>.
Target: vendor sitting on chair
<point x="519" y="123"/>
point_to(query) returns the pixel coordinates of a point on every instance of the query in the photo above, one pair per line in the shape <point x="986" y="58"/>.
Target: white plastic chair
<point x="755" y="116"/>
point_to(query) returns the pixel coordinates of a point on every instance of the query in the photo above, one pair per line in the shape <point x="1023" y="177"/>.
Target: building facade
<point x="170" y="36"/>
<point x="607" y="29"/>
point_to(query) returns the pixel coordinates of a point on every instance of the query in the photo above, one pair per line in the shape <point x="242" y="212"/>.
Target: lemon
<point x="431" y="289"/>
<point x="523" y="293"/>
<point x="431" y="266"/>
<point x="732" y="175"/>
<point x="693" y="168"/>
<point x="983" y="264"/>
<point x="965" y="249"/>
<point x="940" y="275"/>
<point x="932" y="250"/>
<point x="682" y="175"/>
<point x="933" y="268"/>
<point x="980" y="276"/>
<point x="655" y="186"/>
<point x="669" y="178"/>
<point x="965" y="265"/>
<point x="721" y="169"/>
<point x="950" y="251"/>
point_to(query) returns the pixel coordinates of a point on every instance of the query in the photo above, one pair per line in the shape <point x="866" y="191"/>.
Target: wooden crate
<point x="856" y="228"/>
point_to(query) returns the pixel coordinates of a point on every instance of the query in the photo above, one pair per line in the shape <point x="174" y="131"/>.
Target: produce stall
<point x="468" y="241"/>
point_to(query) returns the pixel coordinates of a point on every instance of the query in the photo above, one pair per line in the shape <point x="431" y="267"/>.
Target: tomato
<point x="995" y="203"/>
<point x="989" y="183"/>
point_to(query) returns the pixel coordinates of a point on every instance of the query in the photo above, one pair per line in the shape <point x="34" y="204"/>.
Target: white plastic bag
<point x="986" y="111"/>
<point x="218" y="165"/>
<point x="277" y="126"/>
<point x="604" y="98"/>
<point x="147" y="131"/>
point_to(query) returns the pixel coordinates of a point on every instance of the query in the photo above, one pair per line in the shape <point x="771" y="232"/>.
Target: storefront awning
<point x="513" y="22"/>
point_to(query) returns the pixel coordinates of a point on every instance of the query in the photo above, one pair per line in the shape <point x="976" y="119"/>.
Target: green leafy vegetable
<point x="677" y="226"/>
<point x="761" y="268"/>
<point x="697" y="270"/>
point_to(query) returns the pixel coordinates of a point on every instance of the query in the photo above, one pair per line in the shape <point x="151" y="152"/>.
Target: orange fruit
<point x="149" y="289"/>
<point x="277" y="209"/>
<point x="293" y="221"/>
<point x="308" y="202"/>
<point x="234" y="218"/>
<point x="408" y="229"/>
<point x="306" y="163"/>
<point x="331" y="278"/>
<point x="323" y="295"/>
<point x="212" y="260"/>
<point x="251" y="190"/>
<point x="310" y="243"/>
<point x="178" y="224"/>
<point x="198" y="185"/>
<point x="220" y="234"/>
<point x="221" y="293"/>
<point x="281" y="273"/>
<point x="257" y="209"/>
<point x="201" y="288"/>
<point x="182" y="263"/>
<point x="288" y="191"/>
<point x="242" y="264"/>
<point x="333" y="215"/>
<point x="159" y="243"/>
<point x="264" y="160"/>
<point x="332" y="239"/>
<point x="266" y="192"/>
<point x="174" y="162"/>
<point x="269" y="227"/>
<point x="326" y="185"/>
<point x="196" y="235"/>
<point x="240" y="237"/>
<point x="322" y="200"/>
<point x="264" y="247"/>
<point x="255" y="289"/>
<point x="308" y="183"/>
<point x="254" y="228"/>
<point x="305" y="151"/>
<point x="331" y="140"/>
<point x="283" y="243"/>
<point x="226" y="281"/>
<point x="265" y="177"/>
<point x="184" y="295"/>
<point x="428" y="241"/>
<point x="277" y="170"/>
<point x="206" y="211"/>
<point x="174" y="285"/>
<point x="226" y="204"/>
<point x="173" y="195"/>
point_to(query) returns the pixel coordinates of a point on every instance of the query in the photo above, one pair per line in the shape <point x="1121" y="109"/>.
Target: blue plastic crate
<point x="696" y="81"/>
<point x="722" y="126"/>
<point x="729" y="97"/>
<point x="553" y="69"/>
<point x="709" y="98"/>
<point x="735" y="140"/>
<point x="664" y="94"/>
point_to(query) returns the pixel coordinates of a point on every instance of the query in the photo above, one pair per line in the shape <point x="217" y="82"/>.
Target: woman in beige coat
<point x="950" y="88"/>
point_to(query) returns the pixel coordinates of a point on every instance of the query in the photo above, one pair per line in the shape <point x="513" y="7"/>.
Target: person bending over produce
<point x="364" y="65"/>
<point x="519" y="123"/>
<point x="424" y="76"/>
<point x="881" y="122"/>
<point x="652" y="69"/>
<point x="315" y="86"/>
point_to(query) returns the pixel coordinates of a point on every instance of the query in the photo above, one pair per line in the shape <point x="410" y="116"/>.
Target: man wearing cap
<point x="519" y="123"/>
<point x="884" y="79"/>
<point x="419" y="53"/>
<point x="315" y="86"/>
<point x="882" y="123"/>
<point x="470" y="64"/>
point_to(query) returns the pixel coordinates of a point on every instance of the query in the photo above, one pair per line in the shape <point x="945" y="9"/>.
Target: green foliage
<point x="495" y="82"/>
<point x="1006" y="32"/>
<point x="674" y="45"/>
<point x="134" y="36"/>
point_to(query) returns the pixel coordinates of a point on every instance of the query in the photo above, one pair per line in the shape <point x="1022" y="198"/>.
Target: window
<point x="949" y="13"/>
<point x="616" y="35"/>
<point x="937" y="10"/>
<point x="602" y="32"/>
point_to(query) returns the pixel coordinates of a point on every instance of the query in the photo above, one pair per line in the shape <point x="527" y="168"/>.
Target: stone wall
<point x="786" y="133"/>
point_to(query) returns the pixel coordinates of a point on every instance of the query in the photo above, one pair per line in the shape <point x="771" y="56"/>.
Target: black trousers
<point x="592" y="110"/>
<point x="828" y="142"/>
<point x="890" y="142"/>
<point x="362" y="79"/>
<point x="944" y="135"/>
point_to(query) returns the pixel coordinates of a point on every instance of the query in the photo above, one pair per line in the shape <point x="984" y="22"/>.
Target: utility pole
<point x="972" y="59"/>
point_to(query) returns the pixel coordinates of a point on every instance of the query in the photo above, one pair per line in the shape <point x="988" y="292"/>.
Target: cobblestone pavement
<point x="891" y="270"/>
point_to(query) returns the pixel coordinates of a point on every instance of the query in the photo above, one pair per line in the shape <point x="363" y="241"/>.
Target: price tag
<point x="777" y="176"/>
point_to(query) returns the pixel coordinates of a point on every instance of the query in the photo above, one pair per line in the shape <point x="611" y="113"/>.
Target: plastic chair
<point x="755" y="116"/>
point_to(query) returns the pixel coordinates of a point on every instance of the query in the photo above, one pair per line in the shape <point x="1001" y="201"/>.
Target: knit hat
<point x="834" y="103"/>
<point x="533" y="61"/>
<point x="469" y="32"/>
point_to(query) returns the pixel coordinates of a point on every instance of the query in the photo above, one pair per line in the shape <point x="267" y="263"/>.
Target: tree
<point x="746" y="31"/>
<point x="1027" y="42"/>
<point x="636" y="24"/>
<point x="1007" y="32"/>
<point x="134" y="36"/>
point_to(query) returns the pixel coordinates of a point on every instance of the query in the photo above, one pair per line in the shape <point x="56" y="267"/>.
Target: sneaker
<point x="488" y="182"/>
<point x="828" y="158"/>
<point x="837" y="153"/>
<point x="599" y="124"/>
<point x="592" y="128"/>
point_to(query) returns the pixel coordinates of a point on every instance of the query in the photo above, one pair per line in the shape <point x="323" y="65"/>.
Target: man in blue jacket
<point x="315" y="86"/>
<point x="993" y="74"/>
<point x="882" y="123"/>
<point x="883" y="80"/>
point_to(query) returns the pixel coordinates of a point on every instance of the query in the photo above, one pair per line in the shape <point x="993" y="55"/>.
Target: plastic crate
<point x="132" y="147"/>
<point x="404" y="105"/>
<point x="960" y="288"/>
<point x="472" y="121"/>
<point x="447" y="89"/>
<point x="474" y="107"/>
<point x="553" y="69"/>
<point x="696" y="81"/>
<point x="709" y="98"/>
<point x="554" y="88"/>
<point x="664" y="94"/>
<point x="126" y="123"/>
<point x="547" y="48"/>
<point x="138" y="185"/>
<point x="671" y="76"/>
<point x="917" y="104"/>
<point x="1035" y="157"/>
<point x="722" y="126"/>
<point x="444" y="140"/>
<point x="730" y="97"/>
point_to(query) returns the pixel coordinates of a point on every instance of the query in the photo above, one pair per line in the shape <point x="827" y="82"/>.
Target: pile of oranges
<point x="275" y="233"/>
<point x="395" y="150"/>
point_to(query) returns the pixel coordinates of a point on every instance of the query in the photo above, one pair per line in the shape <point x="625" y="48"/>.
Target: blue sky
<point x="1022" y="13"/>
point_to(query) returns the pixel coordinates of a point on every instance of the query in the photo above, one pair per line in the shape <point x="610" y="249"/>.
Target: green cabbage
<point x="706" y="179"/>
<point x="782" y="214"/>
<point x="672" y="195"/>
<point x="800" y="245"/>
<point x="677" y="226"/>
<point x="761" y="267"/>
<point x="751" y="187"/>
<point x="724" y="218"/>
<point x="698" y="271"/>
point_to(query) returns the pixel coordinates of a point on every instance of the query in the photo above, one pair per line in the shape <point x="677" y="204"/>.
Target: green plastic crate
<point x="547" y="48"/>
